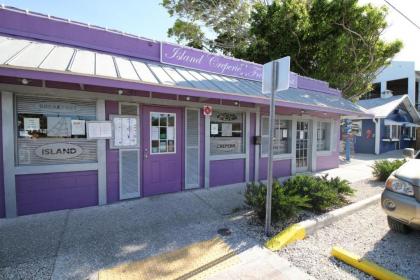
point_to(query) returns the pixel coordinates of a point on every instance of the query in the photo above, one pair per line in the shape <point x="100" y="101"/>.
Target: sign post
<point x="276" y="77"/>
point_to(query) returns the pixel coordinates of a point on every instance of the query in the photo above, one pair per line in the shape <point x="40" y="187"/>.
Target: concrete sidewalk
<point x="77" y="244"/>
<point x="359" y="166"/>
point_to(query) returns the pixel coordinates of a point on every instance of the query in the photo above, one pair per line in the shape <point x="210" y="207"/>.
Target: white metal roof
<point x="50" y="57"/>
<point x="382" y="107"/>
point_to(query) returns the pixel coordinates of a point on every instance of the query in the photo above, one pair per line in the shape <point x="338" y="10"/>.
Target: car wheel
<point x="397" y="226"/>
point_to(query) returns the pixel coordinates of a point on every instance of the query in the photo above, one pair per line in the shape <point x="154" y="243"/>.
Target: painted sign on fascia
<point x="218" y="64"/>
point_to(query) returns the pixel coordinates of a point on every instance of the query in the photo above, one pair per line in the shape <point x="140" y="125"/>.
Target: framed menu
<point x="125" y="132"/>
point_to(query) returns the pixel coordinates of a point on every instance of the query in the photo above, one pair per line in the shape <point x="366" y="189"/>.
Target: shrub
<point x="383" y="168"/>
<point x="323" y="193"/>
<point x="284" y="206"/>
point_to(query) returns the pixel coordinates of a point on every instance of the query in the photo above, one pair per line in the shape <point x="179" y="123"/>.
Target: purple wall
<point x="2" y="206"/>
<point x="225" y="172"/>
<point x="333" y="160"/>
<point x="281" y="168"/>
<point x="202" y="148"/>
<point x="56" y="191"/>
<point x="112" y="157"/>
<point x="252" y="148"/>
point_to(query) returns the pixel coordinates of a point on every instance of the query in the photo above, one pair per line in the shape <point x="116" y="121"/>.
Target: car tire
<point x="397" y="226"/>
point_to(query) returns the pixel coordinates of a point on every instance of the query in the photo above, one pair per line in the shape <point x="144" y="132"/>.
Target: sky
<point x="147" y="18"/>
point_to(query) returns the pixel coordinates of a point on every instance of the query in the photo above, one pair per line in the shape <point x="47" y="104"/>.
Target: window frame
<point x="245" y="142"/>
<point x="390" y="138"/>
<point x="332" y="142"/>
<point x="27" y="168"/>
<point x="290" y="135"/>
<point x="150" y="134"/>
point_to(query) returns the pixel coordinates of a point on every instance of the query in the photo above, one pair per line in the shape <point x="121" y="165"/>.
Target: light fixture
<point x="324" y="114"/>
<point x="120" y="91"/>
<point x="188" y="98"/>
<point x="302" y="111"/>
<point x="236" y="103"/>
<point x="25" y="82"/>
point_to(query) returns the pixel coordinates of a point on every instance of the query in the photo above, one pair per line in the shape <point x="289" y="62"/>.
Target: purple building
<point x="91" y="116"/>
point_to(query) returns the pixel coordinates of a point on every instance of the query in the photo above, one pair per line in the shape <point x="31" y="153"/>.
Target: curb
<point x="300" y="230"/>
<point x="364" y="265"/>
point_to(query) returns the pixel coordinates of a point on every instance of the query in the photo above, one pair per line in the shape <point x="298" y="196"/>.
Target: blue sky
<point x="145" y="18"/>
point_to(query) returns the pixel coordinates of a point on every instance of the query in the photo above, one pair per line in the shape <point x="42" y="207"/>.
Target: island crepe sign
<point x="197" y="59"/>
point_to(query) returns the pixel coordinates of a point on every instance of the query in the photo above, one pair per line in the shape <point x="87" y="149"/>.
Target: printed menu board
<point x="125" y="131"/>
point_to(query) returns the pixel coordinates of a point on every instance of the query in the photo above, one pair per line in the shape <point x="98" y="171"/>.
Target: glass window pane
<point x="163" y="135"/>
<point x="171" y="146"/>
<point x="163" y="120"/>
<point x="155" y="120"/>
<point x="171" y="120"/>
<point x="155" y="146"/>
<point x="163" y="146"/>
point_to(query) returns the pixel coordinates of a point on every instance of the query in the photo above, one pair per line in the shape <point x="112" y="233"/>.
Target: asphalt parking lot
<point x="365" y="233"/>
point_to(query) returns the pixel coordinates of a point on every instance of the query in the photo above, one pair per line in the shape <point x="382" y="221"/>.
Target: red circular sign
<point x="207" y="110"/>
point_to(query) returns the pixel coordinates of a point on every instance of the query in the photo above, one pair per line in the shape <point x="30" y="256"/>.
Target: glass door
<point x="302" y="146"/>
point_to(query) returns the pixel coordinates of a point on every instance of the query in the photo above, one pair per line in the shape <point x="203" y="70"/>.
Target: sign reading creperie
<point x="200" y="60"/>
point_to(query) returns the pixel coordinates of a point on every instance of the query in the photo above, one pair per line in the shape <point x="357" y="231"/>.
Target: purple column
<point x="112" y="165"/>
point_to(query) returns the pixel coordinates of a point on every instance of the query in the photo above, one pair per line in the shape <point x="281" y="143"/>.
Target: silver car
<point x="401" y="197"/>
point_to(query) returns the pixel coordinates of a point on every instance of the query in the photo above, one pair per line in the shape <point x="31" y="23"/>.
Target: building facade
<point x="93" y="116"/>
<point x="393" y="126"/>
<point x="401" y="78"/>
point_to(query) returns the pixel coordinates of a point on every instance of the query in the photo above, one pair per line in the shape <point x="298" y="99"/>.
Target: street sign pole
<point x="276" y="77"/>
<point x="270" y="151"/>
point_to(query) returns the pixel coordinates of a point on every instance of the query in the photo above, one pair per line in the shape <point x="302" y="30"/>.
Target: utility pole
<point x="276" y="77"/>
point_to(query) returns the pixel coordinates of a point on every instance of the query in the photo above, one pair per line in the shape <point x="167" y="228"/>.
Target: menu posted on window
<point x="125" y="131"/>
<point x="99" y="129"/>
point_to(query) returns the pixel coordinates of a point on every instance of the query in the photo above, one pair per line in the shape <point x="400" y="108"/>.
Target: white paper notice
<point x="78" y="127"/>
<point x="30" y="124"/>
<point x="155" y="133"/>
<point x="117" y="131"/>
<point x="58" y="127"/>
<point x="99" y="130"/>
<point x="170" y="133"/>
<point x="133" y="132"/>
<point x="214" y="129"/>
<point x="227" y="129"/>
<point x="125" y="131"/>
<point x="105" y="130"/>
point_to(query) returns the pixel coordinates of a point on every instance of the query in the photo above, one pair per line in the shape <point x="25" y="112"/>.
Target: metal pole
<point x="347" y="125"/>
<point x="270" y="152"/>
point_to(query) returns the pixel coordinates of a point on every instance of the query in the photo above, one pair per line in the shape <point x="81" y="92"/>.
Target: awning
<point x="49" y="60"/>
<point x="405" y="124"/>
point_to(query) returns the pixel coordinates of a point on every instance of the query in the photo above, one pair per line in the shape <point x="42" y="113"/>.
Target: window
<point x="323" y="135"/>
<point x="413" y="133"/>
<point x="406" y="132"/>
<point x="162" y="132"/>
<point x="227" y="133"/>
<point x="395" y="132"/>
<point x="53" y="131"/>
<point x="282" y="134"/>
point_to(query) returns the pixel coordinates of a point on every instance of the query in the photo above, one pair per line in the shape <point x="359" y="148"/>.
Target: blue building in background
<point x="393" y="126"/>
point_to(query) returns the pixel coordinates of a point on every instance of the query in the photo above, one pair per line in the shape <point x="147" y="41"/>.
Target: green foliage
<point x="283" y="206"/>
<point x="383" y="168"/>
<point x="300" y="192"/>
<point x="336" y="41"/>
<point x="323" y="193"/>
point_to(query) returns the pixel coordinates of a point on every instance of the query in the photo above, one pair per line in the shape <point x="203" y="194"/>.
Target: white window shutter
<point x="192" y="148"/>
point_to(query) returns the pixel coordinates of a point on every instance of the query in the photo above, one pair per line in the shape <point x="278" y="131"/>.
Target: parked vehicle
<point x="401" y="197"/>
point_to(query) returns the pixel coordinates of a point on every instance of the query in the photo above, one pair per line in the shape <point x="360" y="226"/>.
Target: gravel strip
<point x="366" y="188"/>
<point x="365" y="233"/>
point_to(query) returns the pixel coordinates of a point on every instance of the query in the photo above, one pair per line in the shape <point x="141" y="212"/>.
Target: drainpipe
<point x="377" y="134"/>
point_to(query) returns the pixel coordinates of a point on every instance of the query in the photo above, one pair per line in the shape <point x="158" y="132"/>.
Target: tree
<point x="336" y="41"/>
